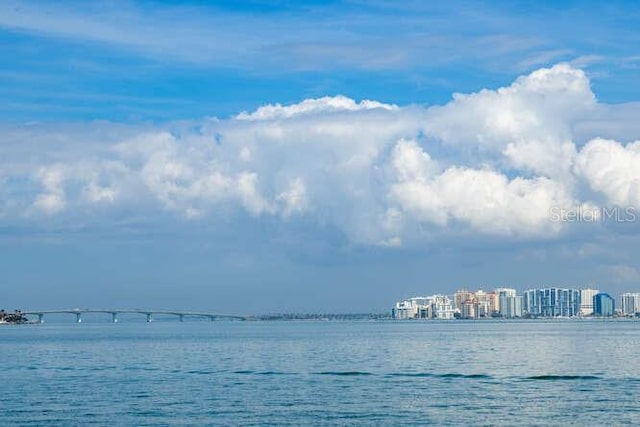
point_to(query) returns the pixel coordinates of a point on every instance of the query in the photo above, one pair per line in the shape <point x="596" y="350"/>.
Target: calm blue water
<point x="321" y="373"/>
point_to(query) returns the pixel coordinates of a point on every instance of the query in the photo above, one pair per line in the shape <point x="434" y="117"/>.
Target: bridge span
<point x="148" y="313"/>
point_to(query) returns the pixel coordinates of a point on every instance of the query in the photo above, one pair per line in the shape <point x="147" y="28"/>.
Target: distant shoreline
<point x="297" y="317"/>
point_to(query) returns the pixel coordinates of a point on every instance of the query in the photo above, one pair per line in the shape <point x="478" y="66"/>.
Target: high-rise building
<point x="586" y="301"/>
<point x="630" y="303"/>
<point x="405" y="310"/>
<point x="507" y="305"/>
<point x="486" y="303"/>
<point x="433" y="307"/>
<point x="552" y="302"/>
<point x="511" y="307"/>
<point x="603" y="305"/>
<point x="442" y="307"/>
<point x="460" y="297"/>
<point x="469" y="310"/>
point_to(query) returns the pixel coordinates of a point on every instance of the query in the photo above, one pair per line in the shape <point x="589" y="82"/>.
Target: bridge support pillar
<point x="211" y="318"/>
<point x="78" y="317"/>
<point x="40" y="318"/>
<point x="114" y="317"/>
<point x="181" y="316"/>
<point x="149" y="317"/>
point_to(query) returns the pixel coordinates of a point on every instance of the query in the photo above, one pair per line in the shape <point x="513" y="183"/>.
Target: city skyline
<point x="549" y="302"/>
<point x="308" y="157"/>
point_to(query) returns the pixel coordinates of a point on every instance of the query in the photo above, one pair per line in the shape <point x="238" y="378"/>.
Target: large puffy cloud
<point x="484" y="199"/>
<point x="490" y="163"/>
<point x="613" y="170"/>
<point x="528" y="124"/>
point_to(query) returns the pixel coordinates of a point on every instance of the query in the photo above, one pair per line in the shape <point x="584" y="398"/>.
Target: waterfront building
<point x="586" y="301"/>
<point x="603" y="305"/>
<point x="511" y="307"/>
<point x="630" y="303"/>
<point x="508" y="303"/>
<point x="469" y="309"/>
<point x="552" y="302"/>
<point x="501" y="293"/>
<point x="484" y="303"/>
<point x="407" y="309"/>
<point x="495" y="303"/>
<point x="460" y="297"/>
<point x="433" y="307"/>
<point x="442" y="307"/>
<point x="531" y="302"/>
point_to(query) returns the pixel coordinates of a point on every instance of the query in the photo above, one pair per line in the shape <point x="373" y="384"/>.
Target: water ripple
<point x="345" y="373"/>
<point x="250" y="372"/>
<point x="561" y="377"/>
<point x="434" y="375"/>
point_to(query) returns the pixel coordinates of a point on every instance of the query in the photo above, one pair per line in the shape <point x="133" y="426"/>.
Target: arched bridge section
<point x="181" y="315"/>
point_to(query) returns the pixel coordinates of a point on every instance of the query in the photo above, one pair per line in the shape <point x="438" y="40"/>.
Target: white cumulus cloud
<point x="483" y="199"/>
<point x="52" y="199"/>
<point x="526" y="126"/>
<point x="492" y="163"/>
<point x="326" y="104"/>
<point x="612" y="169"/>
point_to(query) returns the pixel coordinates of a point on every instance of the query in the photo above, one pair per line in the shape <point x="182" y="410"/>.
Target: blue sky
<point x="311" y="156"/>
<point x="165" y="61"/>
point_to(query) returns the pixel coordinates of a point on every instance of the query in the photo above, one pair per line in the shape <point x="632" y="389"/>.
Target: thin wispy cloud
<point x="316" y="38"/>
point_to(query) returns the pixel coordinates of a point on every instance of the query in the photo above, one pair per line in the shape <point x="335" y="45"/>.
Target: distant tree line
<point x="15" y="317"/>
<point x="322" y="316"/>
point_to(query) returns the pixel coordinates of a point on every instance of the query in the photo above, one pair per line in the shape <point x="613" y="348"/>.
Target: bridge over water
<point x="148" y="313"/>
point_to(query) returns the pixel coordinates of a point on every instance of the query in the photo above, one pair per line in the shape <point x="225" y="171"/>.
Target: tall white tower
<point x="586" y="301"/>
